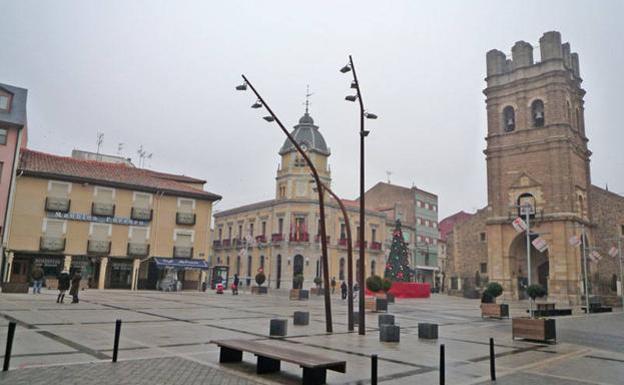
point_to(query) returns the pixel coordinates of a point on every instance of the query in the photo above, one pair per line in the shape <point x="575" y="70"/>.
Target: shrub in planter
<point x="489" y="307"/>
<point x="298" y="281"/>
<point x="374" y="283"/>
<point x="260" y="278"/>
<point x="540" y="329"/>
<point x="386" y="285"/>
<point x="318" y="281"/>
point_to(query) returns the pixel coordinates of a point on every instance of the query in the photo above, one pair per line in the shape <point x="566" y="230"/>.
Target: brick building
<point x="418" y="210"/>
<point x="537" y="157"/>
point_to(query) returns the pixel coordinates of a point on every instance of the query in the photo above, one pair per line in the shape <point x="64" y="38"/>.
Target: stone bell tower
<point x="537" y="154"/>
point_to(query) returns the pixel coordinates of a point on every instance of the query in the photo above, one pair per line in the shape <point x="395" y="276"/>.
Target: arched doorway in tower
<point x="297" y="267"/>
<point x="540" y="265"/>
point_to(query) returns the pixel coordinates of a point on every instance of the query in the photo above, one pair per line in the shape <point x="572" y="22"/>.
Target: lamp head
<point x="269" y="118"/>
<point x="345" y="69"/>
<point x="242" y="87"/>
<point x="369" y="115"/>
<point x="257" y="104"/>
<point x="351" y="98"/>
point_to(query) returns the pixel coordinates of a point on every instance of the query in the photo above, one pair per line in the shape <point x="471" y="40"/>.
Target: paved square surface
<point x="165" y="340"/>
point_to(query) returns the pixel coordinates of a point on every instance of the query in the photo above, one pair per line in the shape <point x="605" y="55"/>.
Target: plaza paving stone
<point x="169" y="333"/>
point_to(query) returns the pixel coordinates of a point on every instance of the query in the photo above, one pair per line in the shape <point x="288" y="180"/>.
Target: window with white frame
<point x="54" y="227"/>
<point x="3" y="135"/>
<point x="186" y="205"/>
<point x="141" y="200"/>
<point x="100" y="231"/>
<point x="5" y="102"/>
<point x="183" y="238"/>
<point x="104" y="194"/>
<point x="59" y="189"/>
<point x="138" y="234"/>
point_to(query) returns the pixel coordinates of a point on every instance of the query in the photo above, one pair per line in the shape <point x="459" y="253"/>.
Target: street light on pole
<point x="350" y="67"/>
<point x="273" y="118"/>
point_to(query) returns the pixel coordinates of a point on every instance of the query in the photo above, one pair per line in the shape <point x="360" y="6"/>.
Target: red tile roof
<point x="446" y="225"/>
<point x="40" y="164"/>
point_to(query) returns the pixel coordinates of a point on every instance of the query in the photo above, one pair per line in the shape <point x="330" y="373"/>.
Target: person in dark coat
<point x="75" y="286"/>
<point x="63" y="285"/>
<point x="333" y="284"/>
<point x="343" y="290"/>
<point x="37" y="276"/>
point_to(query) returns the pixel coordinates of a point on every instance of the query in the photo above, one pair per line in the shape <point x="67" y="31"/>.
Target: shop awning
<point x="181" y="263"/>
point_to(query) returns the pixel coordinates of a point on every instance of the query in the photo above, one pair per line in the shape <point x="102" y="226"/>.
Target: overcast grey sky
<point x="162" y="73"/>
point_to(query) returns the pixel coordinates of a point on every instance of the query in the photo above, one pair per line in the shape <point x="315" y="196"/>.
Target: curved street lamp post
<point x="363" y="133"/>
<point x="273" y="118"/>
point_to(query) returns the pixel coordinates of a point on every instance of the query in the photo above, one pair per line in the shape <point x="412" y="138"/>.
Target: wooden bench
<point x="270" y="356"/>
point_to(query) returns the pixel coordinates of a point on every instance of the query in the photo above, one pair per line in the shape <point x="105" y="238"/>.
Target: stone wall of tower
<point x="607" y="211"/>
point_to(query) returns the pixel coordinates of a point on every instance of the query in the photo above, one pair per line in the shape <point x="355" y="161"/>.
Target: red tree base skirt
<point x="408" y="290"/>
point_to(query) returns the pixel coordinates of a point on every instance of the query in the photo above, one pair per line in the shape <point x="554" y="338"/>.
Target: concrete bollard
<point x="428" y="331"/>
<point x="301" y="318"/>
<point x="385" y="319"/>
<point x="278" y="328"/>
<point x="389" y="333"/>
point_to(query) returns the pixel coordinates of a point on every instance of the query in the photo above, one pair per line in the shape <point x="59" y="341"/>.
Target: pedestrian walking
<point x="37" y="279"/>
<point x="333" y="285"/>
<point x="75" y="286"/>
<point x="235" y="285"/>
<point x="356" y="287"/>
<point x="63" y="285"/>
<point x="343" y="290"/>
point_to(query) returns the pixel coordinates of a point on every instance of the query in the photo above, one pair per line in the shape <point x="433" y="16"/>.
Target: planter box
<point x="390" y="297"/>
<point x="370" y="303"/>
<point x="299" y="294"/>
<point x="540" y="329"/>
<point x="259" y="290"/>
<point x="381" y="304"/>
<point x="14" y="287"/>
<point x="317" y="291"/>
<point x="494" y="310"/>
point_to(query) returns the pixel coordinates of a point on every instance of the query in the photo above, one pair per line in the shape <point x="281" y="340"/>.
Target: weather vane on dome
<point x="307" y="102"/>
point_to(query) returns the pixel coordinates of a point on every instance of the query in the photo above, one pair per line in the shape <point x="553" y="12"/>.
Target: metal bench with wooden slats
<point x="270" y="356"/>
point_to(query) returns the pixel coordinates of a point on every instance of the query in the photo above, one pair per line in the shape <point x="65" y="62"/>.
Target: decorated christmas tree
<point x="397" y="266"/>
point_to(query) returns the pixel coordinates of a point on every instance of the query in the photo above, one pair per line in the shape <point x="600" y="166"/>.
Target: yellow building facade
<point x="281" y="235"/>
<point x="116" y="224"/>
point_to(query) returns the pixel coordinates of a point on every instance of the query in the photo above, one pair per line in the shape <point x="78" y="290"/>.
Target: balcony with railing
<point x="182" y="252"/>
<point x="141" y="214"/>
<point x="47" y="243"/>
<point x="375" y="246"/>
<point x="226" y="243"/>
<point x="57" y="204"/>
<point x="98" y="247"/>
<point x="138" y="249"/>
<point x="100" y="209"/>
<point x="261" y="239"/>
<point x="277" y="237"/>
<point x="216" y="244"/>
<point x="185" y="218"/>
<point x="299" y="237"/>
<point x="342" y="242"/>
<point x="357" y="244"/>
<point x="237" y="242"/>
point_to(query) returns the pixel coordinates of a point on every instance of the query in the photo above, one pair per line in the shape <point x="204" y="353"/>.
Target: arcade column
<point x="102" y="277"/>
